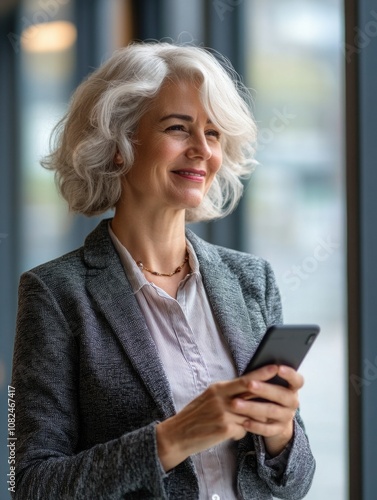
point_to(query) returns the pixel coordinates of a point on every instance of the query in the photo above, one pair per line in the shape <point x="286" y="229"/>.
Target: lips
<point x="195" y="175"/>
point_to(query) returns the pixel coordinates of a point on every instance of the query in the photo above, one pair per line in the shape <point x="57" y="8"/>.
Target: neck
<point x="156" y="239"/>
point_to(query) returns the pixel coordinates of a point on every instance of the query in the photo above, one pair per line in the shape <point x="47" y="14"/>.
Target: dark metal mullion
<point x="9" y="215"/>
<point x="147" y="19"/>
<point x="353" y="251"/>
<point x="368" y="240"/>
<point x="88" y="58"/>
<point x="361" y="105"/>
<point x="225" y="31"/>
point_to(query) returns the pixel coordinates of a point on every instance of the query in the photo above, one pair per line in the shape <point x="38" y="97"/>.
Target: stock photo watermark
<point x="11" y="445"/>
<point x="362" y="38"/>
<point x="369" y="376"/>
<point x="224" y="7"/>
<point x="29" y="26"/>
<point x="309" y="265"/>
<point x="280" y="120"/>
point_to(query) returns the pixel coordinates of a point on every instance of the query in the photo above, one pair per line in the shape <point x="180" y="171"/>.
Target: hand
<point x="220" y="414"/>
<point x="272" y="419"/>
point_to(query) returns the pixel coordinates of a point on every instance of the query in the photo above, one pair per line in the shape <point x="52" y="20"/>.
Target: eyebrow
<point x="186" y="118"/>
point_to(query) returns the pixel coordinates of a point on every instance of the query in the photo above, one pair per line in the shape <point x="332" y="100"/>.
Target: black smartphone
<point x="283" y="345"/>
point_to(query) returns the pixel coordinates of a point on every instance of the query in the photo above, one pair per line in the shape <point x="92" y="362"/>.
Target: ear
<point x="118" y="160"/>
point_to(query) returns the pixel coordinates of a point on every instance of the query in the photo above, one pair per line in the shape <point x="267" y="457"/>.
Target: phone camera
<point x="311" y="339"/>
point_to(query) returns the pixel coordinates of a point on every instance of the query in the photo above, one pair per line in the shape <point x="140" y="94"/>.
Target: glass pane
<point x="48" y="48"/>
<point x="48" y="76"/>
<point x="295" y="201"/>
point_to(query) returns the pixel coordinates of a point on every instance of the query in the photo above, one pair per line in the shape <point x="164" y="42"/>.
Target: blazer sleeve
<point x="290" y="474"/>
<point x="45" y="377"/>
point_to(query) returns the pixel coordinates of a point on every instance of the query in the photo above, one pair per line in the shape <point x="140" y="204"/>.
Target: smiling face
<point x="177" y="152"/>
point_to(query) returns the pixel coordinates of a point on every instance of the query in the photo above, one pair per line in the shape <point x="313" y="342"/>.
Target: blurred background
<point x="290" y="53"/>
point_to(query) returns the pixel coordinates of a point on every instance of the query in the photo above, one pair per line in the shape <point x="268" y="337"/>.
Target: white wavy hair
<point x="105" y="111"/>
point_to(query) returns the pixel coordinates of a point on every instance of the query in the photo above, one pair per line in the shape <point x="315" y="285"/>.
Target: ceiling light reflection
<point x="49" y="37"/>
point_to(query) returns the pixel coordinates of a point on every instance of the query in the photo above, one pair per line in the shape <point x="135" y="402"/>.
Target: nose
<point x="199" y="148"/>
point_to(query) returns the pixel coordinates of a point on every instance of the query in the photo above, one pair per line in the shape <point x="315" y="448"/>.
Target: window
<point x="57" y="50"/>
<point x="293" y="210"/>
<point x="48" y="59"/>
<point x="295" y="203"/>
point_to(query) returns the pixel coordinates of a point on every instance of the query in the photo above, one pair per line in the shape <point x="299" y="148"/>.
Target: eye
<point x="175" y="128"/>
<point x="213" y="133"/>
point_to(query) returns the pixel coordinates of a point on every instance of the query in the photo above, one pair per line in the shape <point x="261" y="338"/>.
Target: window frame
<point x="361" y="150"/>
<point x="10" y="200"/>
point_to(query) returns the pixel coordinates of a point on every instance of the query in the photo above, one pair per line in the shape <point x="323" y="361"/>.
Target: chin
<point x="192" y="200"/>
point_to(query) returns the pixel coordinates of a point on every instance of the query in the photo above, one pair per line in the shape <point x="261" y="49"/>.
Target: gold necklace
<point x="168" y="275"/>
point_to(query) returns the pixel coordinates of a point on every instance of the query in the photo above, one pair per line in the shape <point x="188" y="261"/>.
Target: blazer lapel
<point x="227" y="301"/>
<point x="108" y="285"/>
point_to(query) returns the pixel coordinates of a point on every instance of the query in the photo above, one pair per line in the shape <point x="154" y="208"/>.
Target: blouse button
<point x="215" y="497"/>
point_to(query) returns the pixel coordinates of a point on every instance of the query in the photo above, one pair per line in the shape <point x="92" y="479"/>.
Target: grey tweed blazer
<point x="90" y="387"/>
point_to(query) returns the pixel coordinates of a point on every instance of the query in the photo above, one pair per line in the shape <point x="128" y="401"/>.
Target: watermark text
<point x="11" y="476"/>
<point x="362" y="37"/>
<point x="224" y="7"/>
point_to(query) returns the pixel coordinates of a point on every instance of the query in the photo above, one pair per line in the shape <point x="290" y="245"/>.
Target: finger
<point x="294" y="378"/>
<point x="263" y="429"/>
<point x="269" y="419"/>
<point x="242" y="384"/>
<point x="264" y="373"/>
<point x="278" y="394"/>
<point x="262" y="412"/>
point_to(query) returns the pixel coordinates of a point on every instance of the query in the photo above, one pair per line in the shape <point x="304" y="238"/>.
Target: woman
<point x="129" y="351"/>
